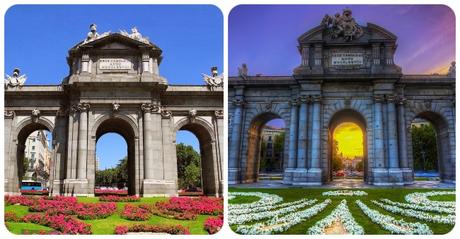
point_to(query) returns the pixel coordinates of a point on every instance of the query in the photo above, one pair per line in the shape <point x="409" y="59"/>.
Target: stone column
<point x="306" y="56"/>
<point x="393" y="159"/>
<point x="302" y="134"/>
<point x="82" y="140"/>
<point x="148" y="138"/>
<point x="315" y="133"/>
<point x="234" y="146"/>
<point x="293" y="125"/>
<point x="407" y="172"/>
<point x="379" y="173"/>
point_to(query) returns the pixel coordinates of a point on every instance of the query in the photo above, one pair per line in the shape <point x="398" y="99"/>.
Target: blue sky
<point x="37" y="38"/>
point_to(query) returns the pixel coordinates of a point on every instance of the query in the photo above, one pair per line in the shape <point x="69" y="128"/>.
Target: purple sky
<point x="265" y="36"/>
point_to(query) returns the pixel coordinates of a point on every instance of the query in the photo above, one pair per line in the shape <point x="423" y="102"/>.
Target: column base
<point x="315" y="176"/>
<point x="159" y="188"/>
<point x="287" y="175"/>
<point x="77" y="187"/>
<point x="408" y="176"/>
<point x="233" y="176"/>
<point x="12" y="186"/>
<point x="56" y="188"/>
<point x="299" y="176"/>
<point x="395" y="176"/>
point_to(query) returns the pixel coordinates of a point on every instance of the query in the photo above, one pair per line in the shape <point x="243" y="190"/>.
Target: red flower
<point x="115" y="198"/>
<point x="135" y="213"/>
<point x="213" y="224"/>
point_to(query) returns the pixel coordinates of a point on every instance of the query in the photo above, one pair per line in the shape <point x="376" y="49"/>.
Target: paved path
<point x="345" y="183"/>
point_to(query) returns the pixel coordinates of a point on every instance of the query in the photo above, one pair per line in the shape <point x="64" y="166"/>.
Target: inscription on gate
<point x="115" y="64"/>
<point x="347" y="58"/>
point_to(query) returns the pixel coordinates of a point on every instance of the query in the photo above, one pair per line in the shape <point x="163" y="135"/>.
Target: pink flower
<point x="121" y="230"/>
<point x="115" y="198"/>
<point x="213" y="224"/>
<point x="135" y="213"/>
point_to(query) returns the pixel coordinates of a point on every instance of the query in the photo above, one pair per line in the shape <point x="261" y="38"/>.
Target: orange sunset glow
<point x="350" y="139"/>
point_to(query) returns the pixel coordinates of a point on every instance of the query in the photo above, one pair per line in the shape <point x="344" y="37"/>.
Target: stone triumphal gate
<point x="347" y="74"/>
<point x="114" y="85"/>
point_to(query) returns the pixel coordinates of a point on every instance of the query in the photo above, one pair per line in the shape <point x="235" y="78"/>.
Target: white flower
<point x="344" y="193"/>
<point x="421" y="207"/>
<point x="340" y="213"/>
<point x="265" y="199"/>
<point x="391" y="224"/>
<point x="422" y="198"/>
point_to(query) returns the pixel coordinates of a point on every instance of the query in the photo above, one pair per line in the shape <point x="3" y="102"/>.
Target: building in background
<point x="38" y="154"/>
<point x="272" y="149"/>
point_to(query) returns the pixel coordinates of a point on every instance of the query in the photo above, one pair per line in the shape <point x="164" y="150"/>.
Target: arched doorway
<point x="265" y="149"/>
<point x="430" y="146"/>
<point x="122" y="127"/>
<point x="208" y="153"/>
<point x="347" y="151"/>
<point x="111" y="163"/>
<point x="189" y="168"/>
<point x="34" y="158"/>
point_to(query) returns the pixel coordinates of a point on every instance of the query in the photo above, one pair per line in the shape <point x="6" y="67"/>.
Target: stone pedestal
<point x="159" y="188"/>
<point x="288" y="175"/>
<point x="11" y="186"/>
<point x="77" y="187"/>
<point x="379" y="177"/>
<point x="56" y="187"/>
<point x="395" y="176"/>
<point x="408" y="176"/>
<point x="299" y="176"/>
<point x="314" y="176"/>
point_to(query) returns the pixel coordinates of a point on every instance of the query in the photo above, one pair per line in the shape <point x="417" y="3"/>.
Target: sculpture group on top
<point x="343" y="25"/>
<point x="135" y="34"/>
<point x="16" y="80"/>
<point x="215" y="80"/>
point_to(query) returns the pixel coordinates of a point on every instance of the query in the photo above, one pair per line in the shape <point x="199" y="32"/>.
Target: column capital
<point x="316" y="98"/>
<point x="391" y="98"/>
<point x="401" y="100"/>
<point x="238" y="102"/>
<point x="304" y="99"/>
<point x="9" y="114"/>
<point x="82" y="107"/>
<point x="165" y="114"/>
<point x="150" y="108"/>
<point x="378" y="98"/>
<point x="294" y="102"/>
<point x="219" y="114"/>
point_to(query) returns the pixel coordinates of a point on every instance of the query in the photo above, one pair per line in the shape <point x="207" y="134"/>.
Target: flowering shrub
<point x="200" y="205"/>
<point x="110" y="192"/>
<point x="89" y="211"/>
<point x="170" y="229"/>
<point x="280" y="224"/>
<point x="341" y="213"/>
<point x="393" y="225"/>
<point x="60" y="222"/>
<point x="34" y="192"/>
<point x="135" y="213"/>
<point x="12" y="217"/>
<point x="186" y="215"/>
<point x="213" y="224"/>
<point x="40" y="232"/>
<point x="20" y="200"/>
<point x="121" y="229"/>
<point x="422" y="198"/>
<point x="421" y="207"/>
<point x="345" y="193"/>
<point x="54" y="205"/>
<point x="116" y="198"/>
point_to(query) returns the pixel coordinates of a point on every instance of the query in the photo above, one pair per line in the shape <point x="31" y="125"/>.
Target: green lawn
<point x="293" y="194"/>
<point x="107" y="225"/>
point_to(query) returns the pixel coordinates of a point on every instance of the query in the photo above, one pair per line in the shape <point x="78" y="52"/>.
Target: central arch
<point x="343" y="116"/>
<point x="124" y="127"/>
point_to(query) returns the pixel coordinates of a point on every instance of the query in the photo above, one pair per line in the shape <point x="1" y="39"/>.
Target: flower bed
<point x="393" y="225"/>
<point x="341" y="213"/>
<point x="344" y="193"/>
<point x="135" y="213"/>
<point x="200" y="205"/>
<point x="53" y="205"/>
<point x="90" y="211"/>
<point x="19" y="200"/>
<point x="244" y="218"/>
<point x="35" y="192"/>
<point x="12" y="217"/>
<point x="120" y="192"/>
<point x="169" y="229"/>
<point x="448" y="219"/>
<point x="422" y="198"/>
<point x="266" y="199"/>
<point x="60" y="222"/>
<point x="213" y="224"/>
<point x="186" y="215"/>
<point x="421" y="207"/>
<point x="281" y="224"/>
<point x="116" y="198"/>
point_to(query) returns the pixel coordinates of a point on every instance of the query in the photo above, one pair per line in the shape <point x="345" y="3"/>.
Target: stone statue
<point x="115" y="107"/>
<point x="243" y="71"/>
<point x="135" y="34"/>
<point x="92" y="34"/>
<point x="342" y="25"/>
<point x="215" y="80"/>
<point x="451" y="72"/>
<point x="16" y="80"/>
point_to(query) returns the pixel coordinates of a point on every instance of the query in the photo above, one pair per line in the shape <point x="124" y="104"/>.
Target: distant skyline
<point x="38" y="37"/>
<point x="265" y="36"/>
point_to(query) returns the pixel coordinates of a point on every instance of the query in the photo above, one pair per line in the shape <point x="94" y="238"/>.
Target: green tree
<point x="278" y="148"/>
<point x="188" y="167"/>
<point x="337" y="163"/>
<point x="117" y="175"/>
<point x="424" y="147"/>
